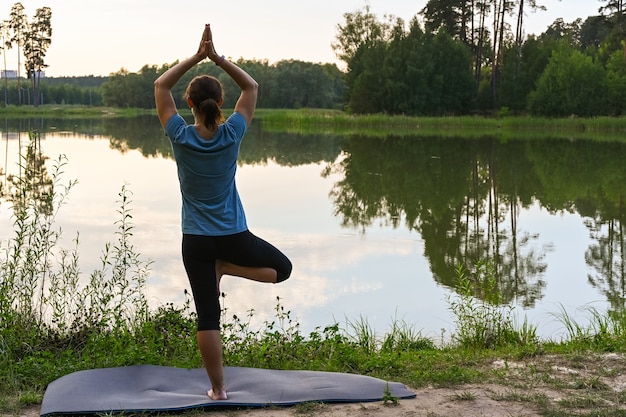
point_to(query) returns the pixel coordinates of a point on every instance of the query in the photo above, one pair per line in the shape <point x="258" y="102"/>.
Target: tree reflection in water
<point x="463" y="196"/>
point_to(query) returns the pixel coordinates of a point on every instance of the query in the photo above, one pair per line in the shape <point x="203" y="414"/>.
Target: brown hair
<point x="205" y="93"/>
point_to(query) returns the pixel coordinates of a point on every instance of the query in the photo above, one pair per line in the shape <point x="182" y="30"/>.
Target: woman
<point x="216" y="239"/>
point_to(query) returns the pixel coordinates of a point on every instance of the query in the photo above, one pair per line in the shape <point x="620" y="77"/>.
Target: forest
<point x="454" y="57"/>
<point x="466" y="57"/>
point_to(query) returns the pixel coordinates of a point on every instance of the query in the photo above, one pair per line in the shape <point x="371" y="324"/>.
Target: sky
<point x="100" y="37"/>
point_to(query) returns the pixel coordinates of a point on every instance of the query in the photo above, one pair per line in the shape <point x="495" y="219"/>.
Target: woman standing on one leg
<point x="216" y="239"/>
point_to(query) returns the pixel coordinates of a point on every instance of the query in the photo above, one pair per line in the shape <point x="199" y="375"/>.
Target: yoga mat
<point x="152" y="388"/>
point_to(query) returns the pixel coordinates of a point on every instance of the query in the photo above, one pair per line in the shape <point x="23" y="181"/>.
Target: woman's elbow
<point x="158" y="84"/>
<point x="253" y="86"/>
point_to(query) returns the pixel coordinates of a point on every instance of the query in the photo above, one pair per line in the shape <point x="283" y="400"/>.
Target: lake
<point x="375" y="226"/>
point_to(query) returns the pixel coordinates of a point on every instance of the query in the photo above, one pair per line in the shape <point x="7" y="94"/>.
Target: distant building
<point x="10" y="74"/>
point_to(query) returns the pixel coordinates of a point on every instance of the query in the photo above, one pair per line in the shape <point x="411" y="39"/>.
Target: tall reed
<point x="44" y="300"/>
<point x="604" y="331"/>
<point x="485" y="322"/>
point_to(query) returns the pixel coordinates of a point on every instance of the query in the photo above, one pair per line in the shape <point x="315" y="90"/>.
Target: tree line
<point x="285" y="84"/>
<point x="86" y="91"/>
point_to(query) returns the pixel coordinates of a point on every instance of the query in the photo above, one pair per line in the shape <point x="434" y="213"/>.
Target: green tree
<point x="360" y="28"/>
<point x="612" y="6"/>
<point x="496" y="50"/>
<point x="593" y="32"/>
<point x="616" y="24"/>
<point x="338" y="84"/>
<point x="449" y="16"/>
<point x="463" y="20"/>
<point x="572" y="84"/>
<point x="512" y="73"/>
<point x="521" y="68"/>
<point x="405" y="85"/>
<point x="299" y="84"/>
<point x="452" y="76"/>
<point x="18" y="24"/>
<point x="560" y="30"/>
<point x="126" y="89"/>
<point x="65" y="93"/>
<point x="366" y="79"/>
<point x="616" y="84"/>
<point x="38" y="39"/>
<point x="414" y="73"/>
<point x="143" y="95"/>
<point x="263" y="73"/>
<point x="113" y="91"/>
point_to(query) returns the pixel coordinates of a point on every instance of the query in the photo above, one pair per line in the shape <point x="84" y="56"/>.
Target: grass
<point x="54" y="320"/>
<point x="507" y="127"/>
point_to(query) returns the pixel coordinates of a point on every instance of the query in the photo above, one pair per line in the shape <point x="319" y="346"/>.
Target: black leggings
<point x="243" y="249"/>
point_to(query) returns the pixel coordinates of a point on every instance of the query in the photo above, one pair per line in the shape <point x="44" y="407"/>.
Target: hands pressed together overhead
<point x="206" y="48"/>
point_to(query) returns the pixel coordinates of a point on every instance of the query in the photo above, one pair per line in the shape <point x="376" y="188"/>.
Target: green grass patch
<point x="378" y="125"/>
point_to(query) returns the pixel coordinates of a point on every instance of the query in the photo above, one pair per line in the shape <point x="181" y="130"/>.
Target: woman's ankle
<point x="217" y="394"/>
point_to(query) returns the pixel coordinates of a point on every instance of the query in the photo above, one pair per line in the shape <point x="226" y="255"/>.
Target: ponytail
<point x="212" y="113"/>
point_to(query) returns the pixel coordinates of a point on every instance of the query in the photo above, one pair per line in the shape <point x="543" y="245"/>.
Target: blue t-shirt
<point x="206" y="172"/>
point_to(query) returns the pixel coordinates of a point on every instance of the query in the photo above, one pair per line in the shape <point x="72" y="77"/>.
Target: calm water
<point x="374" y="227"/>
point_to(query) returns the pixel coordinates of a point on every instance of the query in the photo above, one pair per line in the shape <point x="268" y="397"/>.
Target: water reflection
<point x="464" y="198"/>
<point x="144" y="134"/>
<point x="451" y="192"/>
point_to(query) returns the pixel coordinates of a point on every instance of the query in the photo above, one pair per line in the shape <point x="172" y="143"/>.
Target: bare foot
<point x="219" y="396"/>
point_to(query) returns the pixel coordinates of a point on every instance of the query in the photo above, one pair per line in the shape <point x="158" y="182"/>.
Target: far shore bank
<point x="329" y="121"/>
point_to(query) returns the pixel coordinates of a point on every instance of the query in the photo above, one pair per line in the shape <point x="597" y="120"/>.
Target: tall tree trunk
<point x="18" y="25"/>
<point x="479" y="44"/>
<point x="19" y="89"/>
<point x="519" y="39"/>
<point x="35" y="86"/>
<point x="519" y="30"/>
<point x="463" y="29"/>
<point x="494" y="50"/>
<point x="498" y="43"/>
<point x="472" y="27"/>
<point x="6" y="81"/>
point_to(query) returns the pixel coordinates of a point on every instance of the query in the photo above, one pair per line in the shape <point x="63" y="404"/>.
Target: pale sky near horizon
<point x="99" y="37"/>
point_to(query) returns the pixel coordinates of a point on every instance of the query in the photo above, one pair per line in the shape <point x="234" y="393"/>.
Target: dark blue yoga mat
<point x="160" y="388"/>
